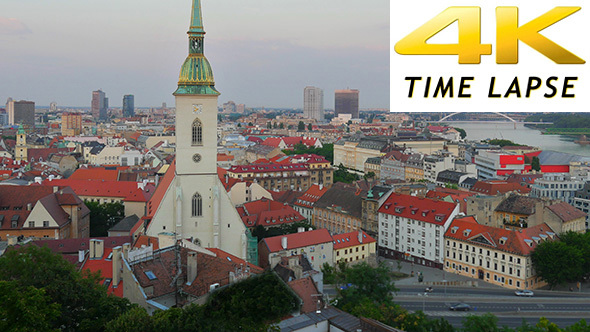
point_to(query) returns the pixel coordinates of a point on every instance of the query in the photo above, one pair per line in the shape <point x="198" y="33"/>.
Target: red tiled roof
<point x="495" y="187"/>
<point x="158" y="195"/>
<point x="262" y="168"/>
<point x="566" y="212"/>
<point x="521" y="242"/>
<point x="292" y="141"/>
<point x="210" y="270"/>
<point x="298" y="240"/>
<point x="95" y="173"/>
<point x="96" y="188"/>
<point x="305" y="288"/>
<point x="224" y="157"/>
<point x="144" y="240"/>
<point x="265" y="212"/>
<point x="311" y="196"/>
<point x="222" y="254"/>
<point x="417" y="208"/>
<point x="105" y="267"/>
<point x="350" y="239"/>
<point x="272" y="141"/>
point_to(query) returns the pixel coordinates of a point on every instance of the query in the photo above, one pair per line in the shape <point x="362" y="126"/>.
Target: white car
<point x="524" y="292"/>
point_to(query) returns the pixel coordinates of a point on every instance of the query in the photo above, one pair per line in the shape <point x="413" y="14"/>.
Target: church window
<point x="197" y="132"/>
<point x="197" y="205"/>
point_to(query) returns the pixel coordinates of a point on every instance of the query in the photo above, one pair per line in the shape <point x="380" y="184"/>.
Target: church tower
<point x="195" y="205"/>
<point x="20" y="150"/>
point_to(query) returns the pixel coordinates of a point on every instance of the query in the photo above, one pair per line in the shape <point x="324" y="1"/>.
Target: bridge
<point x="497" y="113"/>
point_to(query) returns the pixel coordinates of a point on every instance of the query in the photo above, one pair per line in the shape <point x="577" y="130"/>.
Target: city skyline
<point x="262" y="54"/>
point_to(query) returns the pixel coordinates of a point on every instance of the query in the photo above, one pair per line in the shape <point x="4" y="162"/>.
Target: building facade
<point x="71" y="124"/>
<point x="412" y="228"/>
<point x="346" y="102"/>
<point x="128" y="106"/>
<point x="495" y="255"/>
<point x="492" y="164"/>
<point x="21" y="112"/>
<point x="560" y="186"/>
<point x="313" y="103"/>
<point x="99" y="105"/>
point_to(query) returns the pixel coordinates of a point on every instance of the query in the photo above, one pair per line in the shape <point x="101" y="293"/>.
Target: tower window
<point x="197" y="132"/>
<point x="197" y="205"/>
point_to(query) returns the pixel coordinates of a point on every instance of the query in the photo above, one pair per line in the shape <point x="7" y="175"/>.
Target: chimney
<point x="29" y="206"/>
<point x="360" y="236"/>
<point x="321" y="186"/>
<point x="284" y="242"/>
<point x="55" y="189"/>
<point x="116" y="266"/>
<point x="126" y="248"/>
<point x="191" y="267"/>
<point x="96" y="248"/>
<point x="300" y="229"/>
<point x="81" y="254"/>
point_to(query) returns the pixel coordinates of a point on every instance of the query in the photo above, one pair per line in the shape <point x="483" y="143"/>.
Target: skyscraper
<point x="128" y="106"/>
<point x="195" y="204"/>
<point x="313" y="103"/>
<point x="21" y="112"/>
<point x="100" y="104"/>
<point x="347" y="102"/>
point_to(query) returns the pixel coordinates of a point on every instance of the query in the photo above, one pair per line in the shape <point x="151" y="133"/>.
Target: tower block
<point x="195" y="204"/>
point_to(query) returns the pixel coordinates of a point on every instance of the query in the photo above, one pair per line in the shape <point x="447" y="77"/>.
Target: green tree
<point x="104" y="216"/>
<point x="281" y="126"/>
<point x="269" y="125"/>
<point x="462" y="132"/>
<point x="503" y="142"/>
<point x="83" y="303"/>
<point x="341" y="174"/>
<point x="373" y="283"/>
<point x="484" y="323"/>
<point x="536" y="164"/>
<point x="275" y="125"/>
<point x="134" y="320"/>
<point x="301" y="126"/>
<point x="557" y="263"/>
<point x="26" y="309"/>
<point x="369" y="175"/>
<point x="250" y="124"/>
<point x="309" y="127"/>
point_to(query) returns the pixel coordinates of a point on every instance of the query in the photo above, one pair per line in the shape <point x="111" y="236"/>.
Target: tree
<point x="104" y="216"/>
<point x="134" y="320"/>
<point x="536" y="164"/>
<point x="341" y="174"/>
<point x="369" y="175"/>
<point x="269" y="125"/>
<point x="250" y="124"/>
<point x="309" y="127"/>
<point x="281" y="126"/>
<point x="374" y="283"/>
<point x="484" y="323"/>
<point x="41" y="314"/>
<point x="301" y="126"/>
<point x="275" y="125"/>
<point x="83" y="303"/>
<point x="558" y="263"/>
<point x="462" y="132"/>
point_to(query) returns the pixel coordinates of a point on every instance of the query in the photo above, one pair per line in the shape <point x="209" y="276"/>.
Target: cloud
<point x="12" y="26"/>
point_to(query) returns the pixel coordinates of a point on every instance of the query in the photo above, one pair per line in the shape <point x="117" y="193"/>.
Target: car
<point x="460" y="307"/>
<point x="524" y="292"/>
<point x="343" y="287"/>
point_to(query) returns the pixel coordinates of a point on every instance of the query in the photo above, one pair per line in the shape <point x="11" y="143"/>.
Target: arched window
<point x="197" y="205"/>
<point x="197" y="132"/>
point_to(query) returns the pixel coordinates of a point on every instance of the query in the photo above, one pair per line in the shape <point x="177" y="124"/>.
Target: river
<point x="521" y="135"/>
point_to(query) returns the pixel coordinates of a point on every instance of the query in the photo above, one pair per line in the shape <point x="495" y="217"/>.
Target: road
<point x="561" y="308"/>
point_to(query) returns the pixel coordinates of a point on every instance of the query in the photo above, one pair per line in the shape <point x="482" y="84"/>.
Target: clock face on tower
<point x="197" y="108"/>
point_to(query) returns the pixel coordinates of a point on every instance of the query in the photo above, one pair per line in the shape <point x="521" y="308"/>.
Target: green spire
<point x="196" y="19"/>
<point x="21" y="130"/>
<point x="196" y="75"/>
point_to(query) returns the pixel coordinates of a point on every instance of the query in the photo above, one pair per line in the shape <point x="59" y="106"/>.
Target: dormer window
<point x="503" y="240"/>
<point x="454" y="229"/>
<point x="439" y="217"/>
<point x="466" y="232"/>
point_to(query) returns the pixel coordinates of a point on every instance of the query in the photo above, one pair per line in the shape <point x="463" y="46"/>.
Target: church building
<point x="191" y="203"/>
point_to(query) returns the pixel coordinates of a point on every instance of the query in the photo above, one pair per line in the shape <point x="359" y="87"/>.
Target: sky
<point x="263" y="52"/>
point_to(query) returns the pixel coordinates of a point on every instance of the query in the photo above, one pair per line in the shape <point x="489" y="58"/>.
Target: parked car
<point x="460" y="307"/>
<point x="524" y="292"/>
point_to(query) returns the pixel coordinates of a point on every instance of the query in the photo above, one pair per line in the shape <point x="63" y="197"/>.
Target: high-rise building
<point x="100" y="104"/>
<point x="240" y="108"/>
<point x="347" y="102"/>
<point x="229" y="107"/>
<point x="128" y="106"/>
<point x="21" y="112"/>
<point x="313" y="103"/>
<point x="71" y="124"/>
<point x="195" y="204"/>
<point x="53" y="106"/>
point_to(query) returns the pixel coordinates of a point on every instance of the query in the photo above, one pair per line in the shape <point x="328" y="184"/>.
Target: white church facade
<point x="191" y="202"/>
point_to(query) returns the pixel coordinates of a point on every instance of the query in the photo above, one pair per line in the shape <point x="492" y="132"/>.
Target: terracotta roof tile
<point x="566" y="212"/>
<point x="298" y="240"/>
<point x="417" y="208"/>
<point x="305" y="288"/>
